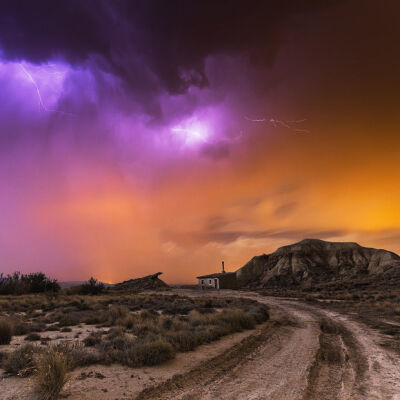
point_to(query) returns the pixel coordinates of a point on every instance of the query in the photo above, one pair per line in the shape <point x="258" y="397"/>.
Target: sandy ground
<point x="116" y="381"/>
<point x="286" y="361"/>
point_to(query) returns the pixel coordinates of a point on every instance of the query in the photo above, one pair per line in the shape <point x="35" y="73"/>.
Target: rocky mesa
<point x="313" y="261"/>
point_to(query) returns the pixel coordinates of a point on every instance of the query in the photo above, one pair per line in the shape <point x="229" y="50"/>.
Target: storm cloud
<point x="147" y="43"/>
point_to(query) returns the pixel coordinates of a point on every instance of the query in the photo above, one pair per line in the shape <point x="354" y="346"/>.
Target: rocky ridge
<point x="312" y="261"/>
<point x="150" y="282"/>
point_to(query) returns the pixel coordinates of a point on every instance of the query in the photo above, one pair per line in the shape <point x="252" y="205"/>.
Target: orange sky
<point x="258" y="200"/>
<point x="111" y="192"/>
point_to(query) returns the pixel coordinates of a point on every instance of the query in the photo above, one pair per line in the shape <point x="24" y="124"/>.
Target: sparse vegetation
<point x="129" y="329"/>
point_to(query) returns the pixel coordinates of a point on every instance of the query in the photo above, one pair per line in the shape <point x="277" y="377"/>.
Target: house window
<point x="209" y="281"/>
<point x="202" y="281"/>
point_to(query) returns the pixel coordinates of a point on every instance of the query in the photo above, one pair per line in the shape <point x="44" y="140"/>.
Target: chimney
<point x="223" y="267"/>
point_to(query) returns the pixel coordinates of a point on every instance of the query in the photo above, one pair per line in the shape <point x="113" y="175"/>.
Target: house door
<point x="216" y="283"/>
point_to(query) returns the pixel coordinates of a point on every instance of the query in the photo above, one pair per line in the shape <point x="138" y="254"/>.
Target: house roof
<point x="217" y="275"/>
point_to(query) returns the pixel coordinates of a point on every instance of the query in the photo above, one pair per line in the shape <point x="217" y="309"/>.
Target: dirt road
<point x="323" y="356"/>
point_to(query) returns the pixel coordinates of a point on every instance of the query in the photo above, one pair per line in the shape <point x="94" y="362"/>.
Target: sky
<point x="145" y="136"/>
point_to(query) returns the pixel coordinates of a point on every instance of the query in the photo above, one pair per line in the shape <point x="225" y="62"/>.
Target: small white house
<point x="220" y="280"/>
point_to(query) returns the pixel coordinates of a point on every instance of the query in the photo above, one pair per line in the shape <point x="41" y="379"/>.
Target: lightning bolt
<point x="39" y="95"/>
<point x="255" y="120"/>
<point x="286" y="124"/>
<point x="30" y="78"/>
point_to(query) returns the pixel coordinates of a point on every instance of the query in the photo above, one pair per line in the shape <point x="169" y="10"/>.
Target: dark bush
<point x="93" y="339"/>
<point x="6" y="331"/>
<point x="149" y="353"/>
<point x="32" y="337"/>
<point x="18" y="283"/>
<point x="92" y="286"/>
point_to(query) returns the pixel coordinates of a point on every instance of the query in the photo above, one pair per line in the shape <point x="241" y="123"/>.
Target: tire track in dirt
<point x="349" y="357"/>
<point x="326" y="356"/>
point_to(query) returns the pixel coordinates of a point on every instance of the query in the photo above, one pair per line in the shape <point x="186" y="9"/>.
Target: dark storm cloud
<point x="149" y="44"/>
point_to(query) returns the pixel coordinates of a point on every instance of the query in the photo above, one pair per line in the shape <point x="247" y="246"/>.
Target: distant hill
<point x="316" y="261"/>
<point x="150" y="282"/>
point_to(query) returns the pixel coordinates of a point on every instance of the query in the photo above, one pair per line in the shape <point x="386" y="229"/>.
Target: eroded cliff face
<point x="313" y="260"/>
<point x="150" y="282"/>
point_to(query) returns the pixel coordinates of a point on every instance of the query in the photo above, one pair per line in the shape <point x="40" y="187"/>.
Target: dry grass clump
<point x="77" y="355"/>
<point x="120" y="347"/>
<point x="21" y="362"/>
<point x="52" y="374"/>
<point x="184" y="340"/>
<point x="117" y="313"/>
<point x="6" y="331"/>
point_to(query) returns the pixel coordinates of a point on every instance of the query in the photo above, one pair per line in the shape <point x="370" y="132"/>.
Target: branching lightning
<point x="42" y="105"/>
<point x="30" y="78"/>
<point x="289" y="124"/>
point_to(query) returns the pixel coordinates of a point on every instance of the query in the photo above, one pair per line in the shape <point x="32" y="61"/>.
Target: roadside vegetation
<point x="128" y="329"/>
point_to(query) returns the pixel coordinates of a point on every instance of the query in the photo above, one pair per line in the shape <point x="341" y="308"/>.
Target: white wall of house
<point x="209" y="283"/>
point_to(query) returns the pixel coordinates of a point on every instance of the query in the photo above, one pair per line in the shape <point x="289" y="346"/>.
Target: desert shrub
<point x="92" y="286"/>
<point x="20" y="327"/>
<point x="184" y="340"/>
<point x="77" y="355"/>
<point x="259" y="312"/>
<point x="22" y="361"/>
<point x="52" y="374"/>
<point x="6" y="331"/>
<point x="148" y="353"/>
<point x="328" y="326"/>
<point x="124" y="349"/>
<point x="66" y="329"/>
<point x="52" y="328"/>
<point x="69" y="320"/>
<point x="167" y="323"/>
<point x="238" y="320"/>
<point x="93" y="339"/>
<point x="235" y="320"/>
<point x="143" y="327"/>
<point x="128" y="322"/>
<point x="117" y="313"/>
<point x="32" y="337"/>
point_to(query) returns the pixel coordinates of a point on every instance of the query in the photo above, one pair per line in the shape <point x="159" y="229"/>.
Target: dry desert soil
<point x="303" y="352"/>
